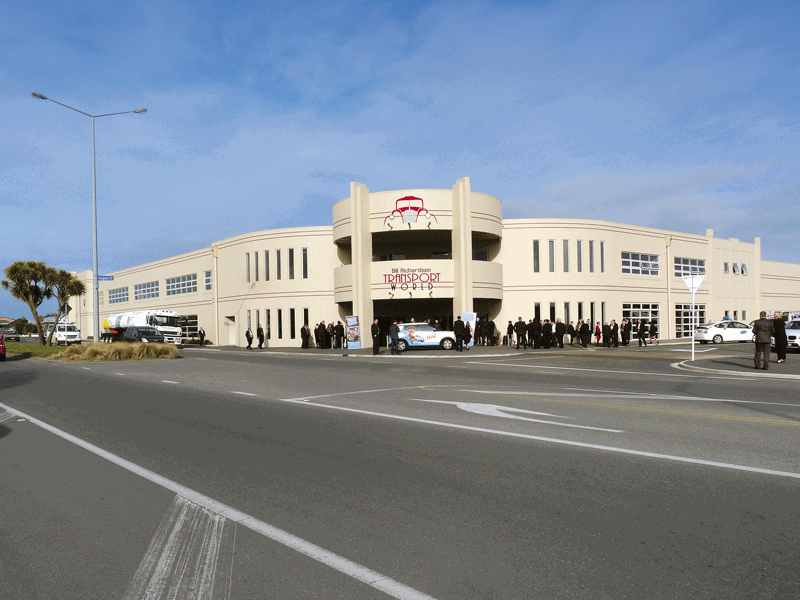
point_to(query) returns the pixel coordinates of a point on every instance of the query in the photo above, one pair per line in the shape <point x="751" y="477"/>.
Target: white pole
<point x="694" y="323"/>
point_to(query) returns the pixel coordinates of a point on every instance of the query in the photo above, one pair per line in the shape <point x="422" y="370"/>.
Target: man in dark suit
<point x="547" y="334"/>
<point x="626" y="332"/>
<point x="520" y="329"/>
<point x="615" y="333"/>
<point x="339" y="333"/>
<point x="249" y="337"/>
<point x="458" y="330"/>
<point x="305" y="334"/>
<point x="763" y="330"/>
<point x="260" y="336"/>
<point x="641" y="332"/>
<point x="561" y="330"/>
<point x="376" y="338"/>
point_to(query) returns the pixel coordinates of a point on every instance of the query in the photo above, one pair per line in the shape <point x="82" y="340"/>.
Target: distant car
<point x="66" y="333"/>
<point x="143" y="334"/>
<point x="10" y="335"/>
<point x="2" y="348"/>
<point x="724" y="331"/>
<point x="792" y="334"/>
<point x="423" y="335"/>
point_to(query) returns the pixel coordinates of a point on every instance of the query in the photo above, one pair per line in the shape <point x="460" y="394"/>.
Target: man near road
<point x="763" y="329"/>
<point x="202" y="333"/>
<point x="520" y="328"/>
<point x="260" y="336"/>
<point x="376" y="338"/>
<point x="305" y="335"/>
<point x="458" y="330"/>
<point x="394" y="333"/>
<point x="626" y="332"/>
<point x="641" y="332"/>
<point x="249" y="336"/>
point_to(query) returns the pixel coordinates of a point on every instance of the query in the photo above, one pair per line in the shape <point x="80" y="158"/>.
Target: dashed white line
<point x="121" y="374"/>
<point x="168" y="381"/>
<point x="244" y="393"/>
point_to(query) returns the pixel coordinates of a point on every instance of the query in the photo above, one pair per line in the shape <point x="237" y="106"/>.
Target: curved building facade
<point x="433" y="254"/>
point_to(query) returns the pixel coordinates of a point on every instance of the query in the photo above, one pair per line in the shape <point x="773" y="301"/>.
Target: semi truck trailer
<point x="166" y="322"/>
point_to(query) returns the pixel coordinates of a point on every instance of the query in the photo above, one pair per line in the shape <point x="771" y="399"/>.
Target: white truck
<point x="166" y="322"/>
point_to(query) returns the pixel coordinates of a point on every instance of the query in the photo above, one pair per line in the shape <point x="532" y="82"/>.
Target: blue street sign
<point x="105" y="278"/>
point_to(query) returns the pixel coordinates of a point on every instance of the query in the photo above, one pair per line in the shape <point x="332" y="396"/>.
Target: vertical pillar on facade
<point x="666" y="326"/>
<point x="462" y="247"/>
<point x="361" y="255"/>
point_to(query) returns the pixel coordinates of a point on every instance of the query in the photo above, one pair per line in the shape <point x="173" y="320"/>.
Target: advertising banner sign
<point x="353" y="333"/>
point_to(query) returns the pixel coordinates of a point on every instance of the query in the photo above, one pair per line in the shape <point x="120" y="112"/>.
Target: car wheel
<point x="447" y="344"/>
<point x="401" y="346"/>
<point x="717" y="339"/>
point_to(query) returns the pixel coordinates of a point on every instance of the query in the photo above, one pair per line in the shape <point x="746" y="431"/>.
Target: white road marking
<point x="122" y="374"/>
<point x="192" y="544"/>
<point x="6" y="416"/>
<point x="86" y="368"/>
<point x="519" y="366"/>
<point x="494" y="410"/>
<point x="244" y="393"/>
<point x="306" y="398"/>
<point x="168" y="381"/>
<point x="389" y="586"/>
<point x="689" y="350"/>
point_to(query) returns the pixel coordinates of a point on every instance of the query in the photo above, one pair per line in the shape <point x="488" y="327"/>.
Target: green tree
<point x="32" y="282"/>
<point x="64" y="286"/>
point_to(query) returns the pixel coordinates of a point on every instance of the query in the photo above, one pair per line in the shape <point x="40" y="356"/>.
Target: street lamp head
<point x="140" y="111"/>
<point x="38" y="95"/>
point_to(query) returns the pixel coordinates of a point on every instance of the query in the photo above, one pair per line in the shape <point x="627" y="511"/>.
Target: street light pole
<point x="95" y="273"/>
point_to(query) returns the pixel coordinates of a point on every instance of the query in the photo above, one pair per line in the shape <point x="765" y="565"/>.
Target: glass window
<point x="280" y="324"/>
<point x="268" y="323"/>
<point x="305" y="263"/>
<point x="181" y="285"/>
<point x="255" y="264"/>
<point x="735" y="268"/>
<point x="278" y="267"/>
<point x="634" y="263"/>
<point x="683" y="318"/>
<point x="535" y="256"/>
<point x="726" y="268"/>
<point x="602" y="257"/>
<point x="142" y="291"/>
<point x="552" y="257"/>
<point x="689" y="266"/>
<point x="481" y="255"/>
<point x="247" y="265"/>
<point x="249" y="322"/>
<point x="118" y="295"/>
<point x="744" y="269"/>
<point x="566" y="255"/>
<point x="566" y="313"/>
<point x="580" y="256"/>
<point x="638" y="310"/>
<point x="208" y="280"/>
<point x="591" y="258"/>
<point x="305" y="316"/>
<point x="189" y="326"/>
<point x="291" y="323"/>
<point x="266" y="265"/>
<point x="291" y="263"/>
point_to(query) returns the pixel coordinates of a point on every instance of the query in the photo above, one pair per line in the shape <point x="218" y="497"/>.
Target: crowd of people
<point x="554" y="334"/>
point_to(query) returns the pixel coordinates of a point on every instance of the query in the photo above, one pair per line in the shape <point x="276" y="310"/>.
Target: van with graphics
<point x="424" y="335"/>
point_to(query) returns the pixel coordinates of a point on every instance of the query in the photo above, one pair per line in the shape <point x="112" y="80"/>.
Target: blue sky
<point x="678" y="115"/>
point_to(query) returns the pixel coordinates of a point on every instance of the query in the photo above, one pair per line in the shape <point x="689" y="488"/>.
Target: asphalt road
<point x="563" y="474"/>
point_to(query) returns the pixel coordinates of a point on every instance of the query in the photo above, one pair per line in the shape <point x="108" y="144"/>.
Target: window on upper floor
<point x="635" y="263"/>
<point x="689" y="266"/>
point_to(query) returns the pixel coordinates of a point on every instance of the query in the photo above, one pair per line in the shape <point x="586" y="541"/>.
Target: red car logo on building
<point x="408" y="210"/>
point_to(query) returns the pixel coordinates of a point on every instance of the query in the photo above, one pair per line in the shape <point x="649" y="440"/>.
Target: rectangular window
<point x="181" y="285"/>
<point x="278" y="265"/>
<point x="537" y="310"/>
<point x="280" y="324"/>
<point x="580" y="311"/>
<point x="566" y="313"/>
<point x="580" y="257"/>
<point x="258" y="318"/>
<point x="593" y="319"/>
<point x="266" y="265"/>
<point x="603" y="313"/>
<point x="291" y="263"/>
<point x="100" y="297"/>
<point x="255" y="264"/>
<point x="591" y="256"/>
<point x="633" y="311"/>
<point x="535" y="256"/>
<point x="683" y="318"/>
<point x="268" y="324"/>
<point x="735" y="268"/>
<point x="249" y="322"/>
<point x="305" y="316"/>
<point x="552" y="312"/>
<point x="602" y="257"/>
<point x="689" y="266"/>
<point x="551" y="246"/>
<point x="189" y="327"/>
<point x="726" y="268"/>
<point x="744" y="269"/>
<point x="118" y="295"/>
<point x="247" y="265"/>
<point x="291" y="323"/>
<point x="634" y="263"/>
<point x="744" y="316"/>
<point x="142" y="291"/>
<point x="305" y="263"/>
<point x="566" y="256"/>
<point x="736" y="315"/>
<point x="208" y="280"/>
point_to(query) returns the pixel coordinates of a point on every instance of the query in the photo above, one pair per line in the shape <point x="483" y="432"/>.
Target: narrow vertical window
<point x="591" y="310"/>
<point x="305" y="316"/>
<point x="537" y="310"/>
<point x="247" y="265"/>
<point x="278" y="268"/>
<point x="535" y="256"/>
<point x="305" y="263"/>
<point x="291" y="264"/>
<point x="266" y="265"/>
<point x="603" y="310"/>
<point x="255" y="264"/>
<point x="580" y="257"/>
<point x="267" y="319"/>
<point x="602" y="257"/>
<point x="552" y="312"/>
<point x="280" y="324"/>
<point x="580" y="311"/>
<point x="291" y="323"/>
<point x="208" y="280"/>
<point x="591" y="259"/>
<point x="258" y="318"/>
<point x="249" y="322"/>
<point x="566" y="313"/>
<point x="566" y="256"/>
<point x="551" y="245"/>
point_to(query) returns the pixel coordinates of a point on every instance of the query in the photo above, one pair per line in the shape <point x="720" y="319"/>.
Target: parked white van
<point x="66" y="333"/>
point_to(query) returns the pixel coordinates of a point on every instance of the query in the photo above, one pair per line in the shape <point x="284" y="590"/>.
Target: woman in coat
<point x="780" y="338"/>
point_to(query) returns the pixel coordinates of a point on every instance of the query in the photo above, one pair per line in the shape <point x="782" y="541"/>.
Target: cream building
<point x="433" y="254"/>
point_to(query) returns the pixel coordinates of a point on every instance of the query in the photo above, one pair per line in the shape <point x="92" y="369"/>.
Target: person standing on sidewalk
<point x="376" y="338"/>
<point x="458" y="330"/>
<point x="780" y="337"/>
<point x="762" y="333"/>
<point x="249" y="336"/>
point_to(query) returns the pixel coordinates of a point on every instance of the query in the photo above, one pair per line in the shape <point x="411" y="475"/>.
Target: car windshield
<point x="148" y="331"/>
<point x="793" y="325"/>
<point x="164" y="321"/>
